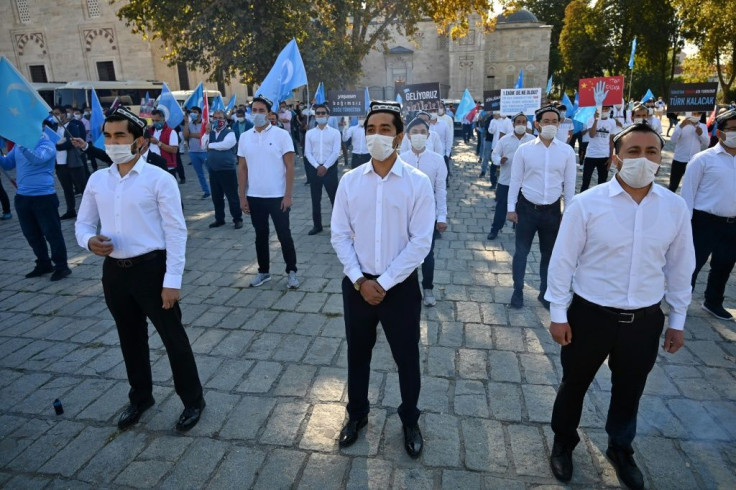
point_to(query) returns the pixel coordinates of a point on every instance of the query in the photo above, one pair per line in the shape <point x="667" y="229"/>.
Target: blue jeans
<point x="532" y="220"/>
<point x="428" y="267"/>
<point x="199" y="162"/>
<point x="39" y="220"/>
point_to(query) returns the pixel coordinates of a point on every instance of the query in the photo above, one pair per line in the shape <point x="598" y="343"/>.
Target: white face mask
<point x="240" y="119"/>
<point x="729" y="138"/>
<point x="77" y="116"/>
<point x="638" y="172"/>
<point x="563" y="114"/>
<point x="548" y="132"/>
<point x="520" y="129"/>
<point x="321" y="120"/>
<point x="638" y="120"/>
<point x="119" y="153"/>
<point x="380" y="146"/>
<point x="418" y="141"/>
<point x="259" y="120"/>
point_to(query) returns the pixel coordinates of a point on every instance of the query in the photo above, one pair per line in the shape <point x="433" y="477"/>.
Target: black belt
<point x="539" y="206"/>
<point x="622" y="316"/>
<point x="373" y="277"/>
<point x="713" y="217"/>
<point x="130" y="262"/>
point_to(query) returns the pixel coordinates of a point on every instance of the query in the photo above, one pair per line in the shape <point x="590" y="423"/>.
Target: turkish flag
<point x="614" y="86"/>
<point x="205" y="116"/>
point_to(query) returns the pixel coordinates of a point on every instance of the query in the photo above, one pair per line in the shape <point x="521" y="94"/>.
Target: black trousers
<point x="631" y="349"/>
<point x="590" y="164"/>
<point x="359" y="159"/>
<point x="179" y="170"/>
<point x="499" y="215"/>
<point x="70" y="178"/>
<point x="676" y="172"/>
<point x="399" y="316"/>
<point x="38" y="217"/>
<point x="132" y="294"/>
<point x="224" y="184"/>
<point x="4" y="200"/>
<point x="260" y="209"/>
<point x="329" y="181"/>
<point x="714" y="237"/>
<point x="544" y="220"/>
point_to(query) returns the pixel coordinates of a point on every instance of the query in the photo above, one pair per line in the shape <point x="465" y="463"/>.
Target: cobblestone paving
<point x="273" y="364"/>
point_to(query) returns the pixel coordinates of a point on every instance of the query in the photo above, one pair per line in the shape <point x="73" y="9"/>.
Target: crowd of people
<point x="608" y="257"/>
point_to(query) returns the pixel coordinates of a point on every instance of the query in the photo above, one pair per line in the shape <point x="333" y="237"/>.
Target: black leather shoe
<point x="238" y="225"/>
<point x="413" y="441"/>
<point x="492" y="235"/>
<point x="544" y="302"/>
<point x="349" y="432"/>
<point x="517" y="299"/>
<point x="132" y="413"/>
<point x="60" y="274"/>
<point x="190" y="416"/>
<point x="217" y="224"/>
<point x="40" y="270"/>
<point x="561" y="462"/>
<point x="625" y="466"/>
<point x="315" y="230"/>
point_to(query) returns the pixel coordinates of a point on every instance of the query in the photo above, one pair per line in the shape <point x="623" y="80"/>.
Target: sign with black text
<point x="686" y="97"/>
<point x="492" y="100"/>
<point x="420" y="96"/>
<point x="516" y="100"/>
<point x="346" y="102"/>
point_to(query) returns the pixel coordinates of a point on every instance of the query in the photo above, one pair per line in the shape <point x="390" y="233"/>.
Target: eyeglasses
<point x="321" y="113"/>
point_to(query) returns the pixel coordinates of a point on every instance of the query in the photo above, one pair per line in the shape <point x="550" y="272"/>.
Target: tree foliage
<point x="583" y="42"/>
<point x="548" y="11"/>
<point x="241" y="38"/>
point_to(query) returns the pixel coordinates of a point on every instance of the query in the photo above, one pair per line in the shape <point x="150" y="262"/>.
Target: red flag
<point x="613" y="85"/>
<point x="712" y="117"/>
<point x="205" y="116"/>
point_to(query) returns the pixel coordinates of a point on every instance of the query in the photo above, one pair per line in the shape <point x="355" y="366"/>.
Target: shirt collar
<point x="397" y="168"/>
<point x="538" y="140"/>
<point x="138" y="168"/>
<point x="720" y="149"/>
<point x="614" y="188"/>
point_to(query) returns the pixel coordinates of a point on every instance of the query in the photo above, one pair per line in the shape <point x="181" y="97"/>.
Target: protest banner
<point x="346" y="103"/>
<point x="698" y="97"/>
<point x="609" y="90"/>
<point x="420" y="96"/>
<point x="515" y="100"/>
<point x="492" y="100"/>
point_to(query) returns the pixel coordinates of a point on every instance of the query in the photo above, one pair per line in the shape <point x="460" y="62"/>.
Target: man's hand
<point x="440" y="226"/>
<point x="169" y="297"/>
<point x="321" y="171"/>
<point x="100" y="245"/>
<point x="286" y="203"/>
<point x="600" y="93"/>
<point x="79" y="143"/>
<point x="513" y="217"/>
<point x="372" y="292"/>
<point x="154" y="141"/>
<point x="244" y="205"/>
<point x="561" y="332"/>
<point x="673" y="340"/>
<point x="504" y="160"/>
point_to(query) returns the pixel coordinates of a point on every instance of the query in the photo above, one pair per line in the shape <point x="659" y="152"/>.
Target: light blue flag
<point x="287" y="74"/>
<point x="399" y="99"/>
<point x="549" y="85"/>
<point x="633" y="54"/>
<point x="51" y="134"/>
<point x="583" y="114"/>
<point x="647" y="96"/>
<point x="96" y="120"/>
<point x="354" y="121"/>
<point x="467" y="103"/>
<point x="230" y="103"/>
<point x="520" y="80"/>
<point x="319" y="95"/>
<point x="196" y="99"/>
<point x="367" y="100"/>
<point x="217" y="104"/>
<point x="577" y="100"/>
<point x="567" y="103"/>
<point x="22" y="110"/>
<point x="170" y="107"/>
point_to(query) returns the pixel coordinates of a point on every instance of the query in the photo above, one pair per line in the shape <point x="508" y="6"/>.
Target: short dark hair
<point x="158" y="112"/>
<point x="321" y="106"/>
<point x="724" y="117"/>
<point x="398" y="122"/>
<point x="133" y="129"/>
<point x="195" y="107"/>
<point x="642" y="127"/>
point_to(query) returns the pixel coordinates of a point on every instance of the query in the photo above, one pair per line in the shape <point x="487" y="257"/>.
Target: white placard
<point x="516" y="100"/>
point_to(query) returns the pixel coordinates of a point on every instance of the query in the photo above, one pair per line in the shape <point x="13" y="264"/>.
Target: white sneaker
<point x="292" y="282"/>
<point x="261" y="278"/>
<point x="429" y="298"/>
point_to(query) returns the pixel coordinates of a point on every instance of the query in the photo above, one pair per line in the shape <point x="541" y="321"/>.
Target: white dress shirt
<point x="227" y="142"/>
<point x="322" y="146"/>
<point x="620" y="254"/>
<point x="173" y="140"/>
<point x="709" y="184"/>
<point x="502" y="125"/>
<point x="506" y="147"/>
<point x="655" y="123"/>
<point x="444" y="134"/>
<point x="433" y="166"/>
<point x="433" y="143"/>
<point x="383" y="226"/>
<point x="61" y="155"/>
<point x="688" y="142"/>
<point x="264" y="155"/>
<point x="450" y="122"/>
<point x="357" y="134"/>
<point x="565" y="130"/>
<point x="140" y="212"/>
<point x="542" y="173"/>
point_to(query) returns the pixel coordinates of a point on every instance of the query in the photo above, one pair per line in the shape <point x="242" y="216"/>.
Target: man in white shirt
<point x="322" y="149"/>
<point x="143" y="238"/>
<point x="601" y="129"/>
<point x="432" y="165"/>
<point x="623" y="246"/>
<point x="164" y="141"/>
<point x="543" y="169"/>
<point x="503" y="157"/>
<point x="265" y="185"/>
<point x="192" y="132"/>
<point x="709" y="189"/>
<point x="222" y="162"/>
<point x="449" y="120"/>
<point x="499" y="127"/>
<point x="566" y="125"/>
<point x="356" y="136"/>
<point x="382" y="228"/>
<point x="690" y="136"/>
<point x="434" y="142"/>
<point x="640" y="113"/>
<point x="444" y="133"/>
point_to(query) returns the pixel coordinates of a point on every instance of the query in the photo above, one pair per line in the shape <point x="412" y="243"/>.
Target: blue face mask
<point x="158" y="125"/>
<point x="259" y="119"/>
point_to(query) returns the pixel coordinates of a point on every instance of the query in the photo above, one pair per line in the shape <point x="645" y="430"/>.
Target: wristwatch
<point x="359" y="282"/>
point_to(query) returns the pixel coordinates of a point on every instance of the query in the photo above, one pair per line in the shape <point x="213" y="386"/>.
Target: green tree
<point x="241" y="38"/>
<point x="695" y="69"/>
<point x="583" y="43"/>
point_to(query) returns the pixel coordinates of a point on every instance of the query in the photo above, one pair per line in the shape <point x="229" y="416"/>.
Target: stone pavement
<point x="273" y="364"/>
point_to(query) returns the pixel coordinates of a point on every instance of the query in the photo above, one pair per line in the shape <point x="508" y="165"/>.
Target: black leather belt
<point x="713" y="217"/>
<point x="555" y="204"/>
<point x="373" y="277"/>
<point x="622" y="316"/>
<point x="130" y="262"/>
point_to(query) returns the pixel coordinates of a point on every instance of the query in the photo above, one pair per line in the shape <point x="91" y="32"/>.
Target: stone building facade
<point x="480" y="61"/>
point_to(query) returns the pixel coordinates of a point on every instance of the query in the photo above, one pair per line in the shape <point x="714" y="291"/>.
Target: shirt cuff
<point x="676" y="321"/>
<point x="511" y="208"/>
<point x="86" y="240"/>
<point x="442" y="219"/>
<point x="354" y="275"/>
<point x="172" y="281"/>
<point x="558" y="313"/>
<point x="386" y="281"/>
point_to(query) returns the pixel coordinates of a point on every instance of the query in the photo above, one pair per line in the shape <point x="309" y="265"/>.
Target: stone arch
<point x="34" y="38"/>
<point x="106" y="33"/>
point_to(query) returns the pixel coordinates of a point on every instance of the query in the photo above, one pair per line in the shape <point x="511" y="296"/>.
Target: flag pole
<point x="631" y="83"/>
